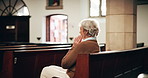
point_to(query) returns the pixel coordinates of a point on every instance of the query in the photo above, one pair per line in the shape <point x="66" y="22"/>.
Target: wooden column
<point x="121" y="24"/>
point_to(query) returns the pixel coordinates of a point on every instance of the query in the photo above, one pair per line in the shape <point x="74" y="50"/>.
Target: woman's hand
<point x="77" y="40"/>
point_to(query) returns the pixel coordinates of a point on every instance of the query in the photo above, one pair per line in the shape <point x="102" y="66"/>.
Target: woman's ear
<point x="85" y="32"/>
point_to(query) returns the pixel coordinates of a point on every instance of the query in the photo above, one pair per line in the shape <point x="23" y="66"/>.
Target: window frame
<point x="100" y="11"/>
<point x="48" y="27"/>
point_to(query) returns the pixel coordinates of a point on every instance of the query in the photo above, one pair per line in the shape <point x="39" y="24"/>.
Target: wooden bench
<point x="17" y="60"/>
<point x="112" y="64"/>
<point x="31" y="47"/>
<point x="26" y="43"/>
<point x="16" y="46"/>
<point x="27" y="62"/>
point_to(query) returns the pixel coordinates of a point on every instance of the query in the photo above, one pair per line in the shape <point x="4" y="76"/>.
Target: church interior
<point x="38" y="33"/>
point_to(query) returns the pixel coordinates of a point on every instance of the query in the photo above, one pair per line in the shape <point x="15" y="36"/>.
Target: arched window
<point x="13" y="8"/>
<point x="56" y="28"/>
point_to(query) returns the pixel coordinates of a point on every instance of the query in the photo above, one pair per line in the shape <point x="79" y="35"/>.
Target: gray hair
<point x="91" y="26"/>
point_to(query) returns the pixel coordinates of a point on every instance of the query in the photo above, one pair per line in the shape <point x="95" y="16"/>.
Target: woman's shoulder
<point x="89" y="42"/>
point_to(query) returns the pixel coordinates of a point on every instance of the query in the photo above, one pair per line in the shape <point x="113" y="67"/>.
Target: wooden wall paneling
<point x="21" y="31"/>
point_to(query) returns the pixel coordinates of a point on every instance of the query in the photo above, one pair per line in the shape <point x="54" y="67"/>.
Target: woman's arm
<point x="70" y="58"/>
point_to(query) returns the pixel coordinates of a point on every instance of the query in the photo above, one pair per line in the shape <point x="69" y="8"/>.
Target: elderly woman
<point x="85" y="43"/>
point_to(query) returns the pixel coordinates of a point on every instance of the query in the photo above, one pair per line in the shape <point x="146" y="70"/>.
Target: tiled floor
<point x="143" y="76"/>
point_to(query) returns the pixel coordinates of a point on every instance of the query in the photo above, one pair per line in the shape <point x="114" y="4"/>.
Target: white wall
<point x="142" y="24"/>
<point x="75" y="9"/>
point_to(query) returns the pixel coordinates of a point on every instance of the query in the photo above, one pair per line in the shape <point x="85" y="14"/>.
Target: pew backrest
<point x="112" y="64"/>
<point x="17" y="62"/>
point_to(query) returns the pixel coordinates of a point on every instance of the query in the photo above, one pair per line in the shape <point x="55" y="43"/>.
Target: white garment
<point x="142" y="75"/>
<point x="90" y="38"/>
<point x="53" y="71"/>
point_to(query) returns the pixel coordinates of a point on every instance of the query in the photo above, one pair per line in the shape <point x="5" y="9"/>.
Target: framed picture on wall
<point x="54" y="4"/>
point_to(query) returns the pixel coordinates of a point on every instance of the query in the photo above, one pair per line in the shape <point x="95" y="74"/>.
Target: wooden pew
<point x="102" y="46"/>
<point x="27" y="62"/>
<point x="42" y="58"/>
<point x="27" y="47"/>
<point x="32" y="58"/>
<point x="15" y="45"/>
<point x="26" y="43"/>
<point x="7" y="64"/>
<point x="140" y="44"/>
<point x="112" y="64"/>
<point x="1" y="60"/>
